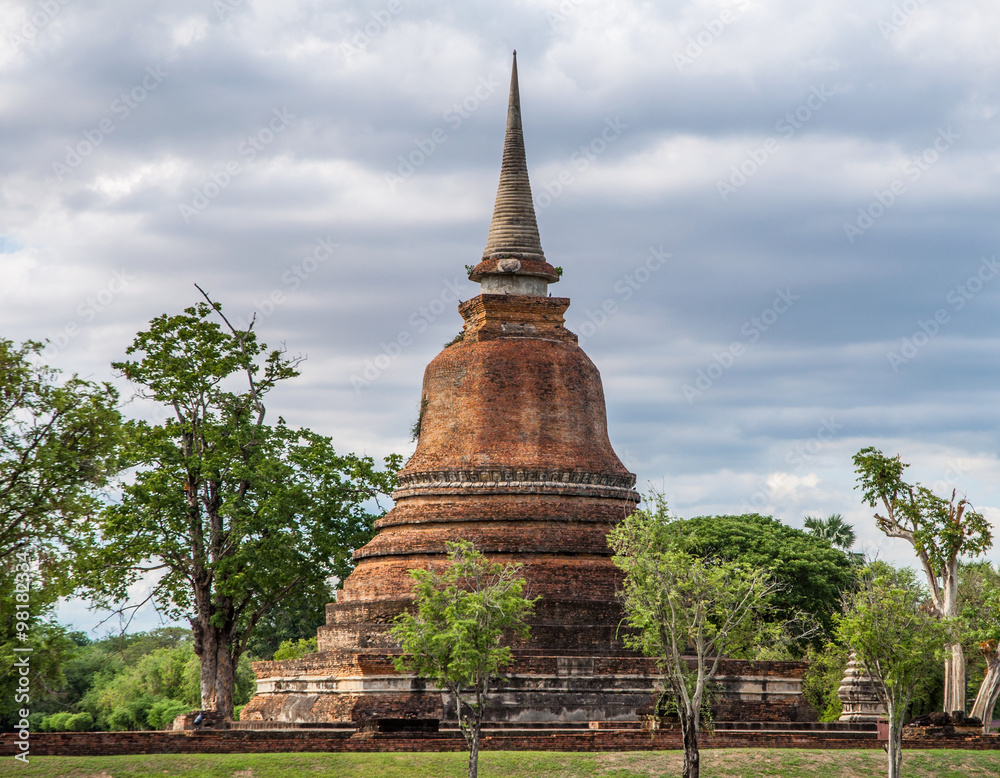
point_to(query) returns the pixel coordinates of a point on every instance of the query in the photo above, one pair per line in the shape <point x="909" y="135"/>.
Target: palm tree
<point x="832" y="528"/>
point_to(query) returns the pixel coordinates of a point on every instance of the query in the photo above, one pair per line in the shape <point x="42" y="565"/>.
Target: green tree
<point x="687" y="611"/>
<point x="295" y="618"/>
<point x="233" y="514"/>
<point x="941" y="532"/>
<point x="811" y="575"/>
<point x="56" y="451"/>
<point x="57" y="441"/>
<point x="457" y="638"/>
<point x="832" y="528"/>
<point x="890" y="622"/>
<point x="979" y="606"/>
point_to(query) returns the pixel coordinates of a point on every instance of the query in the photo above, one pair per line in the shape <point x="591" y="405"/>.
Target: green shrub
<point x="80" y="722"/>
<point x="132" y="715"/>
<point x="68" y="722"/>
<point x="162" y="713"/>
<point x="295" y="649"/>
<point x="57" y="722"/>
<point x="121" y="720"/>
<point x="822" y="679"/>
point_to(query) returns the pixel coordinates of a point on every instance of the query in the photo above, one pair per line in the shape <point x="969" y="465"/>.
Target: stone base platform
<point x="539" y="688"/>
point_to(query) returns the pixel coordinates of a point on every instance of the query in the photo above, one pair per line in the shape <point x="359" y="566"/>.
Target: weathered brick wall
<point x="250" y="741"/>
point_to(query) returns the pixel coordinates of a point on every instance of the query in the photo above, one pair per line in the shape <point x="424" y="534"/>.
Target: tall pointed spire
<point x="513" y="245"/>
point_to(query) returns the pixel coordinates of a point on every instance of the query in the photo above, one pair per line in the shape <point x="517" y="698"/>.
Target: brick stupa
<point x="512" y="454"/>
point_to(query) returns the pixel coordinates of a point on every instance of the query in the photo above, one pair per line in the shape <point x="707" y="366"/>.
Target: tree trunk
<point x="689" y="732"/>
<point x="217" y="671"/>
<point x="471" y="724"/>
<point x="474" y="753"/>
<point x="954" y="663"/>
<point x="895" y="742"/>
<point x="989" y="691"/>
<point x="954" y="679"/>
<point x="475" y="726"/>
<point x="225" y="681"/>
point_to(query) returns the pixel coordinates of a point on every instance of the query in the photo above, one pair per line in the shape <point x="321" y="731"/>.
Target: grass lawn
<point x="751" y="763"/>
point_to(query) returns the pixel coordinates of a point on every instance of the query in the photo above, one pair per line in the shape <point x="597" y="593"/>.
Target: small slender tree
<point x="687" y="612"/>
<point x="941" y="532"/>
<point x="465" y="615"/>
<point x="892" y="625"/>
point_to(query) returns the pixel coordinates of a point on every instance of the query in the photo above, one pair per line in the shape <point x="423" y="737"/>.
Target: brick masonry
<point x="334" y="741"/>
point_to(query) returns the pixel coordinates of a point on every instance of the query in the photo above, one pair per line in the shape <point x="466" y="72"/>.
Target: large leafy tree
<point x="225" y="514"/>
<point x="811" y="574"/>
<point x="898" y="637"/>
<point x="941" y="531"/>
<point x="687" y="611"/>
<point x="458" y="638"/>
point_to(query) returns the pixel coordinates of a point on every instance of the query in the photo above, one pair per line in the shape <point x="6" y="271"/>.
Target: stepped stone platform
<point x="540" y="689"/>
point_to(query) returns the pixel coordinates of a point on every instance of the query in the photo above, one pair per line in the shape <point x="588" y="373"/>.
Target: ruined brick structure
<point x="512" y="454"/>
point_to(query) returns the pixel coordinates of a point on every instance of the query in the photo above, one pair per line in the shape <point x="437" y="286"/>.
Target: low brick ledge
<point x="289" y="741"/>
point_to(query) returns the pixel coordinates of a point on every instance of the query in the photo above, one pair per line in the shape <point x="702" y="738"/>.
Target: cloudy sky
<point x="777" y="220"/>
